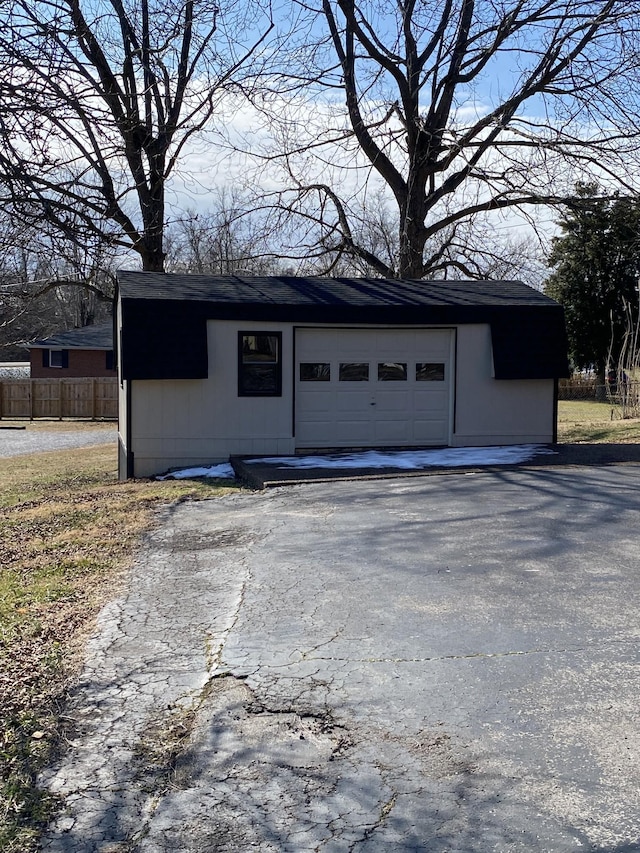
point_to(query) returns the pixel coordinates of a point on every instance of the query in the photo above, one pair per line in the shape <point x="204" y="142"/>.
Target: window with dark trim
<point x="55" y="358"/>
<point x="428" y="371"/>
<point x="259" y="364"/>
<point x="315" y="371"/>
<point x="110" y="362"/>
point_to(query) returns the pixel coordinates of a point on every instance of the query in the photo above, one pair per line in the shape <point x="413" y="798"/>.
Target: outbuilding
<point x="216" y="366"/>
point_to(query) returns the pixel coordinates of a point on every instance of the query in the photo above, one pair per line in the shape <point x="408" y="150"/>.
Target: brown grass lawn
<point x="587" y="421"/>
<point x="68" y="529"/>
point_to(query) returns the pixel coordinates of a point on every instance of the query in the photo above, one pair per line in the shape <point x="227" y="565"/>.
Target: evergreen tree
<point x="596" y="263"/>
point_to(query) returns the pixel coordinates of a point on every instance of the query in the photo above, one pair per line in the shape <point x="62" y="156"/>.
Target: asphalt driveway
<point x="443" y="664"/>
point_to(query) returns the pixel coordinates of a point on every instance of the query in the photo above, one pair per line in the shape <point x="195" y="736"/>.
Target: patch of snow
<point x="413" y="459"/>
<point x="221" y="472"/>
<point x="448" y="457"/>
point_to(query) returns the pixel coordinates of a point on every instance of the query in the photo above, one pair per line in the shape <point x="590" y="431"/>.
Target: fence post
<point x="93" y="399"/>
<point x="31" y="386"/>
<point x="1" y="397"/>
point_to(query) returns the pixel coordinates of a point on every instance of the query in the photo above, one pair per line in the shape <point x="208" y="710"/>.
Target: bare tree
<point x="48" y="284"/>
<point x="460" y="110"/>
<point x="472" y="247"/>
<point x="230" y="237"/>
<point x="625" y="388"/>
<point x="98" y="100"/>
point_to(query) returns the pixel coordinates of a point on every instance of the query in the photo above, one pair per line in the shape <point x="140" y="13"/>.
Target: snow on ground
<point x="402" y="459"/>
<point x="412" y="459"/>
<point x="221" y="472"/>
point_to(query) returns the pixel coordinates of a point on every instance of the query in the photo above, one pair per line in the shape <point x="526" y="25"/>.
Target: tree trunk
<point x="412" y="239"/>
<point x="152" y="261"/>
<point x="152" y="205"/>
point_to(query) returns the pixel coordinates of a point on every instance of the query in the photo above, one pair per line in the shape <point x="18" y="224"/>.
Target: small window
<point x="427" y="371"/>
<point x="259" y="364"/>
<point x="391" y="371"/>
<point x="110" y="363"/>
<point x="319" y="371"/>
<point x="354" y="371"/>
<point x="55" y="358"/>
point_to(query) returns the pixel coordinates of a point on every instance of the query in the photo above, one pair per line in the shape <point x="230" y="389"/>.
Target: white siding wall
<point x="180" y="423"/>
<point x="490" y="411"/>
<point x="183" y="422"/>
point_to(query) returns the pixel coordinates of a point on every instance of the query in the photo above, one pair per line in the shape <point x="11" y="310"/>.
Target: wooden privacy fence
<point x="95" y="398"/>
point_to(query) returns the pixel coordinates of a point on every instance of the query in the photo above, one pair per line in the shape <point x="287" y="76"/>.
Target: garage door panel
<point x="355" y="349"/>
<point x="351" y="403"/>
<point x="392" y="401"/>
<point x="392" y="432"/>
<point x="358" y="434"/>
<point x="434" y="401"/>
<point x="318" y="401"/>
<point x="354" y="432"/>
<point x="438" y="341"/>
<point x="430" y="432"/>
<point x="392" y="406"/>
<point x="316" y="433"/>
<point x="432" y="353"/>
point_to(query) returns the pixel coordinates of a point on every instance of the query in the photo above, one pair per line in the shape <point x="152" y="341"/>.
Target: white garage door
<point x="373" y="387"/>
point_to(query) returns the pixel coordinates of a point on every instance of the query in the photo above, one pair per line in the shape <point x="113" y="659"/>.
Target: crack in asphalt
<point x="215" y="657"/>
<point x="436" y="658"/>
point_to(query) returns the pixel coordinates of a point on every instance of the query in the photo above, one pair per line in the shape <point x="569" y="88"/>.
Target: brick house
<point x="86" y="353"/>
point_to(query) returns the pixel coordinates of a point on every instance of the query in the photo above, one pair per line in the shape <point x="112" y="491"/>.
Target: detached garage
<point x="215" y="366"/>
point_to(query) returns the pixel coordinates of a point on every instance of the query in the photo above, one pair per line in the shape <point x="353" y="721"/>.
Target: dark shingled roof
<point x="164" y="316"/>
<point x="302" y="291"/>
<point x="98" y="337"/>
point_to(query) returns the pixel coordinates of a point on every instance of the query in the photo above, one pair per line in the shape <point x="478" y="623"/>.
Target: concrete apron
<point x="261" y="474"/>
<point x="435" y="664"/>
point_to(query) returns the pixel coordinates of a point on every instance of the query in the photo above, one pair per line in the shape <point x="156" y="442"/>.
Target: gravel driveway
<point x="446" y="664"/>
<point x="37" y="438"/>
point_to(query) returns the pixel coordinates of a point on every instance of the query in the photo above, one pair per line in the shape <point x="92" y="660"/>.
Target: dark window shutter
<point x="65" y="358"/>
<point x="45" y="358"/>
